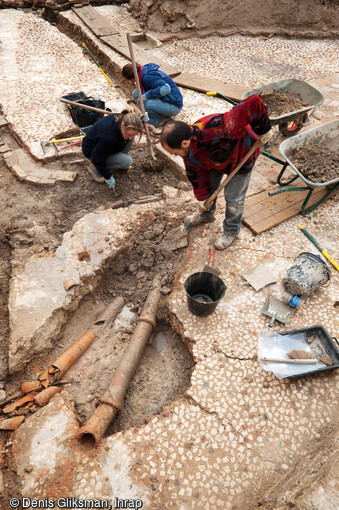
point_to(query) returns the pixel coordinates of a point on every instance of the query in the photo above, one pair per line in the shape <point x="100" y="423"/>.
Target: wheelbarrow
<point x="326" y="135"/>
<point x="291" y="122"/>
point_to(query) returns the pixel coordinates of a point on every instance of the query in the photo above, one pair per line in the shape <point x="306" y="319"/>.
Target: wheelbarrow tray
<point x="321" y="344"/>
<point x="327" y="135"/>
<point x="308" y="95"/>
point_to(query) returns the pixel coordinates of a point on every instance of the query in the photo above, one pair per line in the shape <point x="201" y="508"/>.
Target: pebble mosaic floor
<point x="38" y="65"/>
<point x="238" y="425"/>
<point x="252" y="62"/>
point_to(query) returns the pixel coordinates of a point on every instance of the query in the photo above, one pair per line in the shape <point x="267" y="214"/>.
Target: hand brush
<point x="300" y="354"/>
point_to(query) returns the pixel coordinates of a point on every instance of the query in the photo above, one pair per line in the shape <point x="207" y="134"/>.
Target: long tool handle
<point x="92" y="108"/>
<point x="58" y="140"/>
<point x="317" y="245"/>
<point x="294" y="361"/>
<point x="141" y="102"/>
<point x="208" y="203"/>
<point x="94" y="60"/>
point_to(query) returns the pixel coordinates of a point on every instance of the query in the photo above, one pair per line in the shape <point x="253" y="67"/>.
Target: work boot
<point x="224" y="241"/>
<point x="203" y="218"/>
<point x="94" y="173"/>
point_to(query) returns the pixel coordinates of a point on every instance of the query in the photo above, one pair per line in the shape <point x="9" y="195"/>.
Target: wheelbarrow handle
<point x="275" y="192"/>
<point x="228" y="99"/>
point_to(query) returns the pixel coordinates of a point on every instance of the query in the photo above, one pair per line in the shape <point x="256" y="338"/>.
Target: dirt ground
<point x="279" y="103"/>
<point x="316" y="162"/>
<point x="36" y="219"/>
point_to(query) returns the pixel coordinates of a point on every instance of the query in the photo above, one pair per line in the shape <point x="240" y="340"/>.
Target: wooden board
<point x="203" y="84"/>
<point x="97" y="23"/>
<point x="263" y="212"/>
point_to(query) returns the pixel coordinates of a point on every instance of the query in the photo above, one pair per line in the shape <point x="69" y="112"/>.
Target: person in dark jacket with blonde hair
<point x="108" y="142"/>
<point x="161" y="96"/>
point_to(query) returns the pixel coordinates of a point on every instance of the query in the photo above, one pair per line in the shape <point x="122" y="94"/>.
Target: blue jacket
<point x="158" y="85"/>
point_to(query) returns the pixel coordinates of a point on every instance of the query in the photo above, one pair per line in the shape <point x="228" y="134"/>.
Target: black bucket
<point x="204" y="291"/>
<point x="307" y="274"/>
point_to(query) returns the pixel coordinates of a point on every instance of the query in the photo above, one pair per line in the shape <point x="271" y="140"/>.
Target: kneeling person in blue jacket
<point x="108" y="142"/>
<point x="161" y="96"/>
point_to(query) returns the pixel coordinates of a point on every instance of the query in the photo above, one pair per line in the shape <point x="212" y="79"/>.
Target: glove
<point x="144" y="98"/>
<point x="110" y="182"/>
<point x="144" y="117"/>
<point x="264" y="139"/>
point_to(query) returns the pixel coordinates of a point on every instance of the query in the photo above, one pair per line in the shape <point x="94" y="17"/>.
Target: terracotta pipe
<point x="113" y="398"/>
<point x="73" y="353"/>
<point x="45" y="395"/>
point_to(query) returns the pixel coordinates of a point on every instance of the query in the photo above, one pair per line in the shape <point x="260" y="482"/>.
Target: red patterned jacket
<point x="220" y="141"/>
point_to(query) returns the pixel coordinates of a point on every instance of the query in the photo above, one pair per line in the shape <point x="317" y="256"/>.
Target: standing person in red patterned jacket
<point x="212" y="147"/>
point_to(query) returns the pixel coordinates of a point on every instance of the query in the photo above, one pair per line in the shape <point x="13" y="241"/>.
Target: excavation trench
<point x="37" y="217"/>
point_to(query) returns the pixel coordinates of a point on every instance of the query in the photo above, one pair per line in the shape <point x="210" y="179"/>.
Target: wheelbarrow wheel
<point x="291" y="128"/>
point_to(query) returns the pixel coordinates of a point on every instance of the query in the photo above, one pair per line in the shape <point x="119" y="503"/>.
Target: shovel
<point x="179" y="235"/>
<point x="141" y="102"/>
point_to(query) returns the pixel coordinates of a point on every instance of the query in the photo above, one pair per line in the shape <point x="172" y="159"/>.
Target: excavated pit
<point x="34" y="226"/>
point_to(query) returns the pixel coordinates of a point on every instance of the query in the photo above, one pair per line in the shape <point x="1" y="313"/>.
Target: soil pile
<point x="316" y="162"/>
<point x="318" y="18"/>
<point x="280" y="103"/>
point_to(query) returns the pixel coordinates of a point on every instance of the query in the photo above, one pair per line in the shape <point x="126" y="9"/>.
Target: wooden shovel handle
<point x="141" y="102"/>
<point x="208" y="203"/>
<point x="87" y="107"/>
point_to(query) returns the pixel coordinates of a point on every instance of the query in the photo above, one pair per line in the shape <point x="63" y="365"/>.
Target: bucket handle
<point x="327" y="283"/>
<point x="336" y="340"/>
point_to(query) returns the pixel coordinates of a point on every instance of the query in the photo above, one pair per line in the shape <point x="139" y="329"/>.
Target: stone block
<point x="19" y="172"/>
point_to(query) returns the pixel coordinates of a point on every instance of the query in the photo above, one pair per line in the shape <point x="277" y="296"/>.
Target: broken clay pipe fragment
<point x="29" y="386"/>
<point x="19" y="403"/>
<point x="15" y="395"/>
<point x="11" y="423"/>
<point x="113" y="398"/>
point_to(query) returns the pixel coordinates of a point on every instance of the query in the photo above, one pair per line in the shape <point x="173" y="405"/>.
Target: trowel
<point x="277" y="310"/>
<point x="258" y="277"/>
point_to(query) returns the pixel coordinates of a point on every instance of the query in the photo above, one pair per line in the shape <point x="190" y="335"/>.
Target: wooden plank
<point x="261" y="201"/>
<point x="281" y="203"/>
<point x="118" y="42"/>
<point x="203" y="84"/>
<point x="97" y="23"/>
<point x="280" y="208"/>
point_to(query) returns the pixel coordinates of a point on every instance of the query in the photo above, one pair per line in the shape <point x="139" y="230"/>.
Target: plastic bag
<point x="273" y="345"/>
